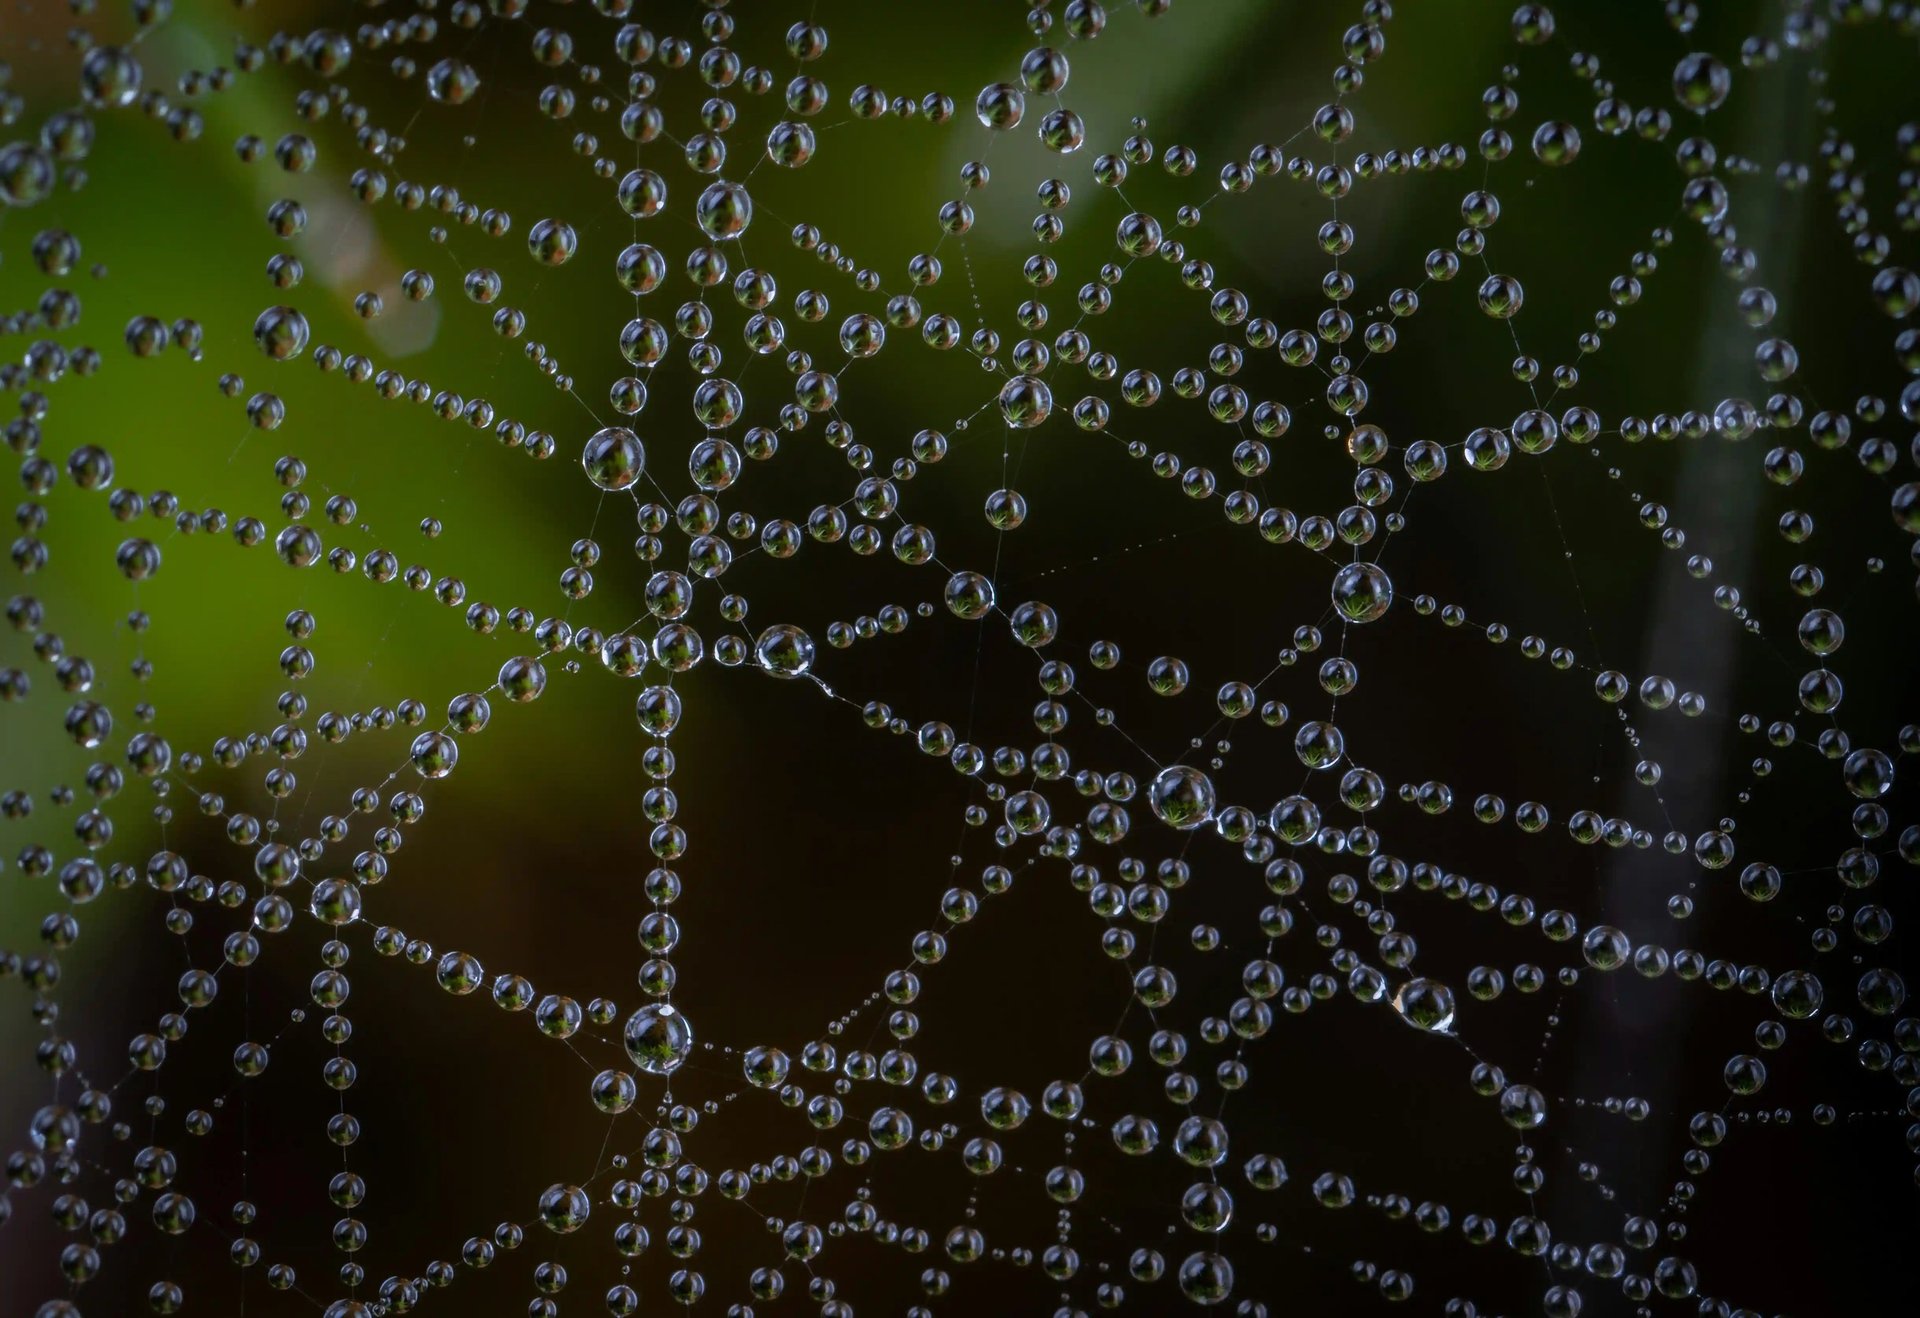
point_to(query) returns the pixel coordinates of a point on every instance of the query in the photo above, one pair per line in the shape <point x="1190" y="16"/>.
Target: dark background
<point x="818" y="847"/>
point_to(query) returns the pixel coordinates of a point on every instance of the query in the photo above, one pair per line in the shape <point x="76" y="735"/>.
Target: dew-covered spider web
<point x="959" y="657"/>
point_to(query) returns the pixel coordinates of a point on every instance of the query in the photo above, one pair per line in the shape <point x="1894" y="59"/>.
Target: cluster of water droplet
<point x="1059" y="809"/>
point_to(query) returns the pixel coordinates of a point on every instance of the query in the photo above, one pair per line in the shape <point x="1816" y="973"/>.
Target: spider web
<point x="1195" y="654"/>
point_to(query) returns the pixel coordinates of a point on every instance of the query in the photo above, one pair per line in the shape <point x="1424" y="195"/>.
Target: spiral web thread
<point x="1138" y="834"/>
